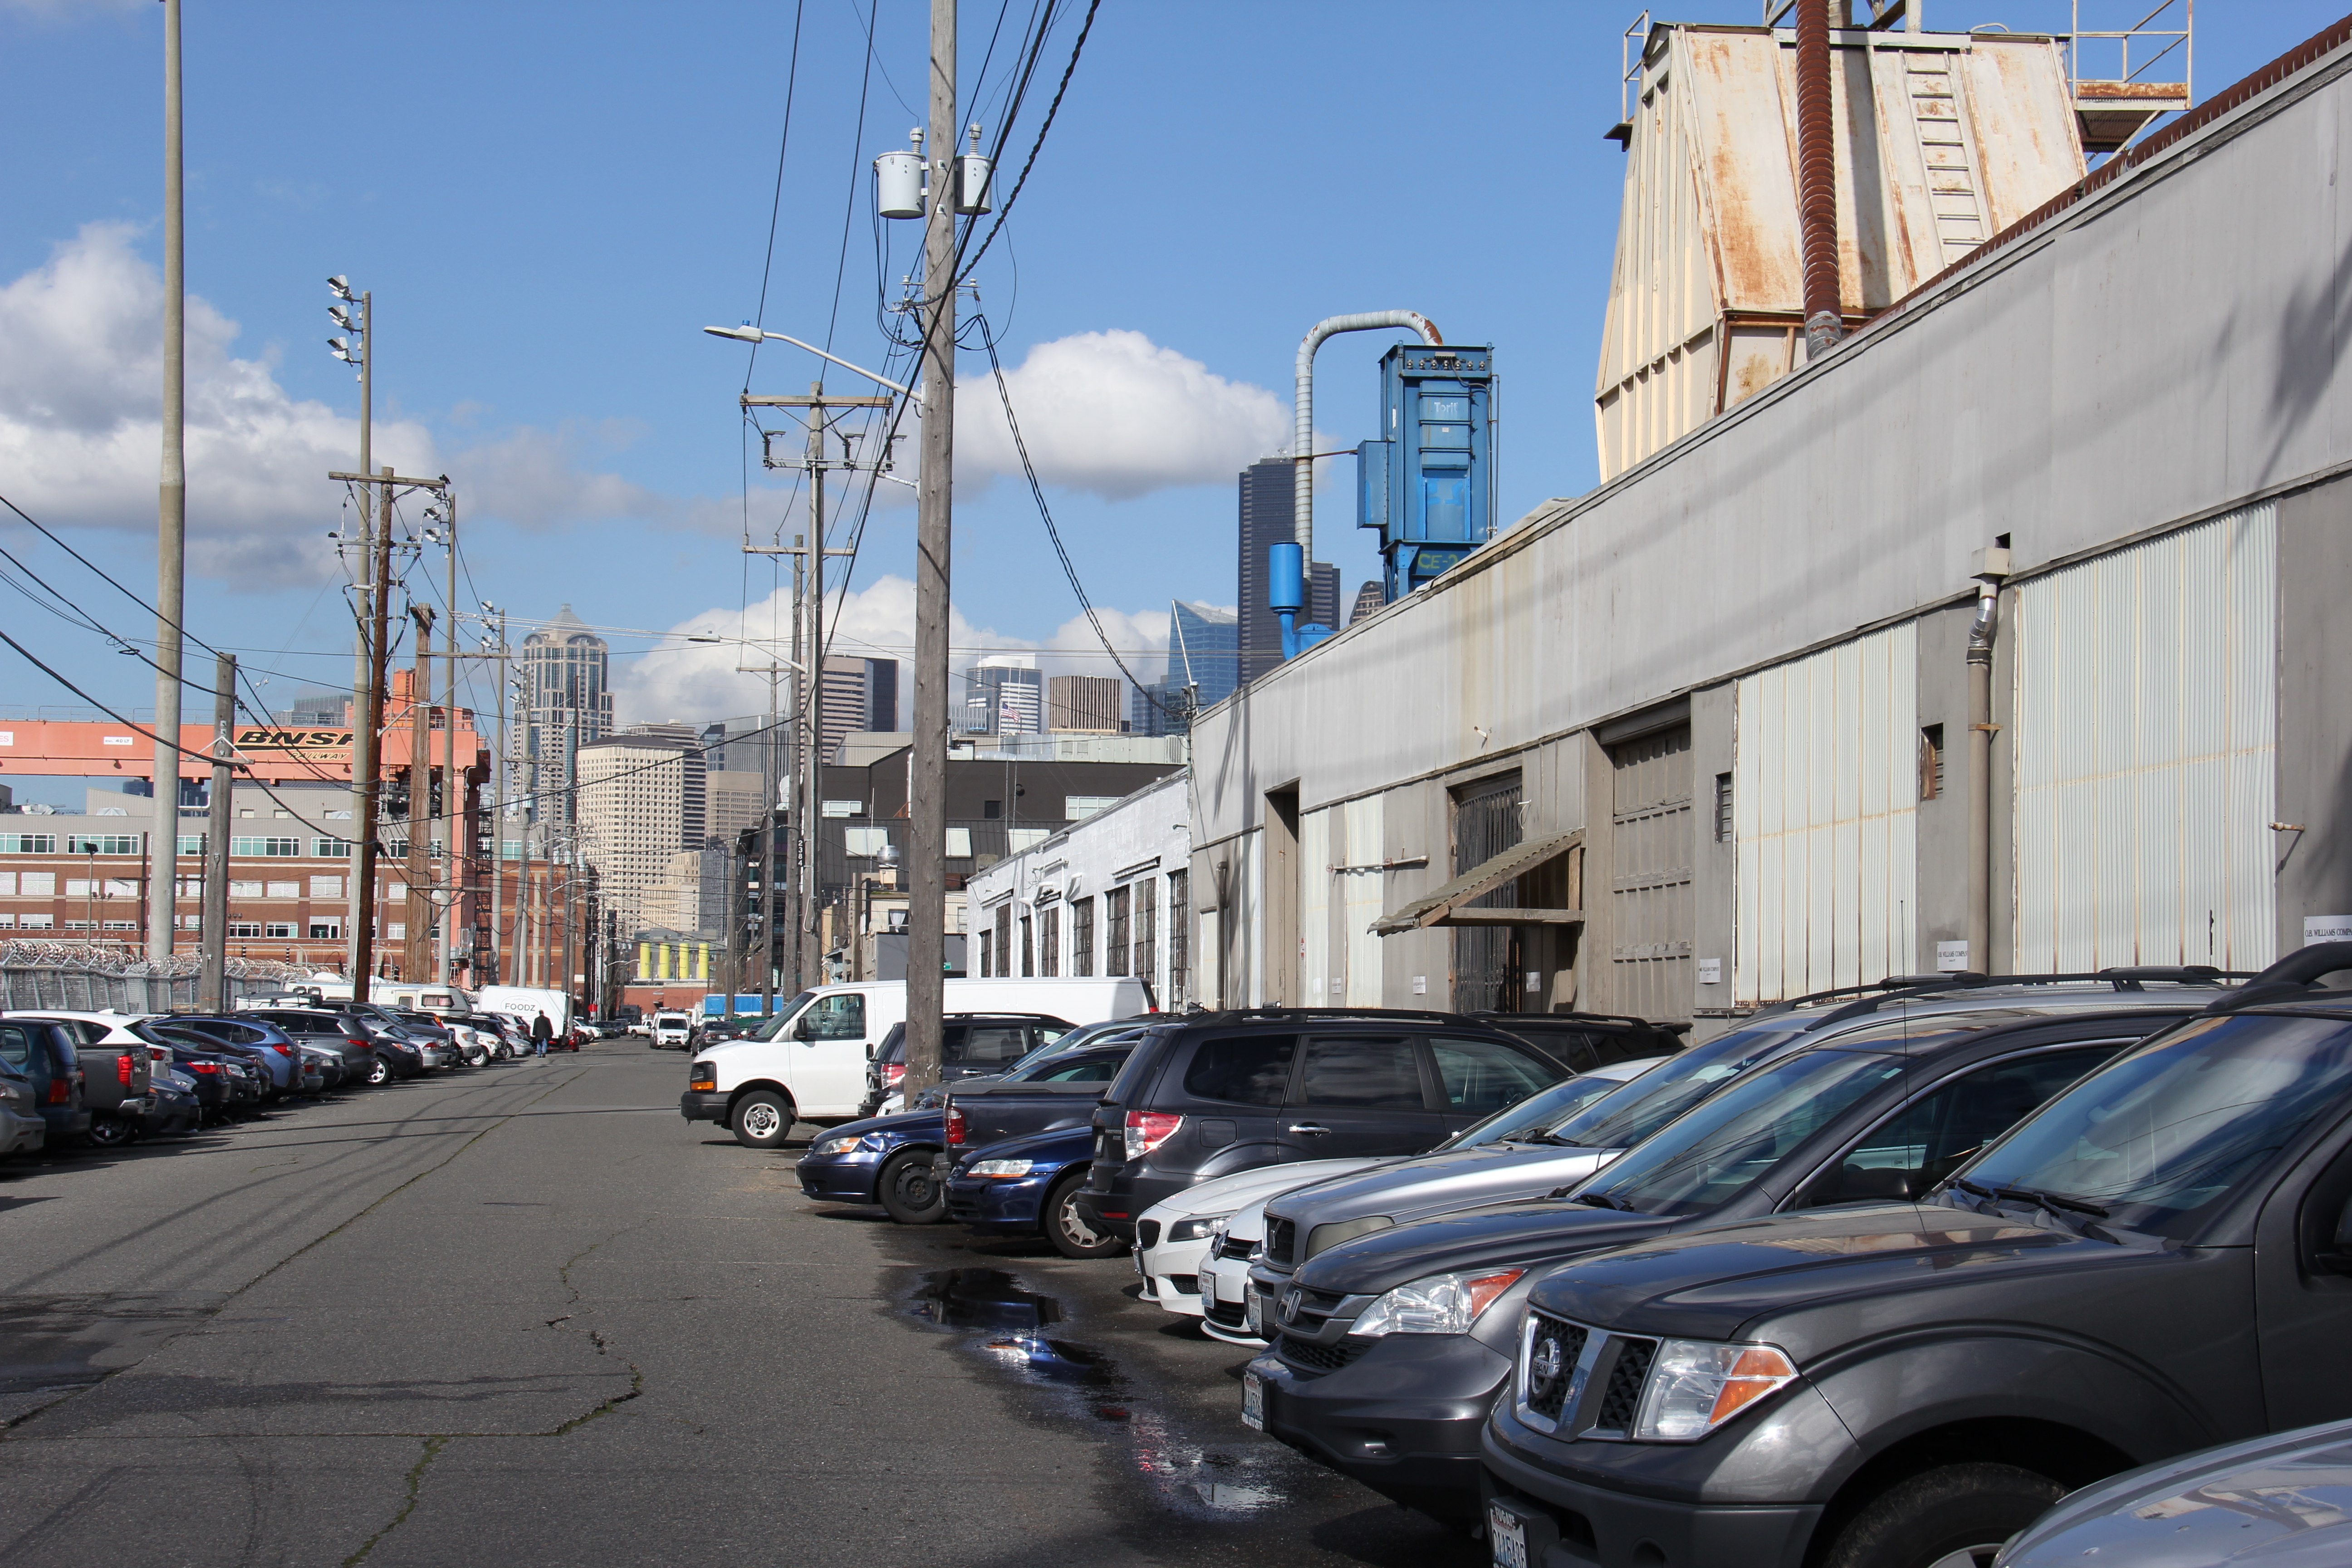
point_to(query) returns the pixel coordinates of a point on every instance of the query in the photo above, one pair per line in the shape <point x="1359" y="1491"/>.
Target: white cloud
<point x="80" y="432"/>
<point x="700" y="681"/>
<point x="1116" y="414"/>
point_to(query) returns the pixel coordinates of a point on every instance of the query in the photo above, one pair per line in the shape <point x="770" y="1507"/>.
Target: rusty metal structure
<point x="1937" y="141"/>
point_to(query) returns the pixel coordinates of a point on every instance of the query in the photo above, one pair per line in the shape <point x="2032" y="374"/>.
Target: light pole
<point x="358" y="349"/>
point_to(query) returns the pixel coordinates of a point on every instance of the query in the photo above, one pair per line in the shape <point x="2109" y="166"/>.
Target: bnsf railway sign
<point x="288" y="741"/>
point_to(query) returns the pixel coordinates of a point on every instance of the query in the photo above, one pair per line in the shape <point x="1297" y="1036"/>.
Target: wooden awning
<point x="1444" y="907"/>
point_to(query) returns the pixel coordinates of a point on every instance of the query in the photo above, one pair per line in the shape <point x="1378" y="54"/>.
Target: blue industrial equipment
<point x="1285" y="595"/>
<point x="1428" y="485"/>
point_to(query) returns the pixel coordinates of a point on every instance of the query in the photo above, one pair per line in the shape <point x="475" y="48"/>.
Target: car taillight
<point x="203" y="1067"/>
<point x="61" y="1091"/>
<point x="1147" y="1129"/>
<point x="355" y="1040"/>
<point x="123" y="1069"/>
<point x="893" y="1074"/>
<point x="283" y="1050"/>
<point x="955" y="1126"/>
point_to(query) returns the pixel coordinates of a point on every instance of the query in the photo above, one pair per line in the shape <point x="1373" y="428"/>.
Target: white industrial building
<point x="1702" y="739"/>
<point x="1107" y="895"/>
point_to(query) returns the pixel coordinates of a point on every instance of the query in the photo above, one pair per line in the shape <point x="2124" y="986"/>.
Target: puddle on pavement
<point x="51" y="1345"/>
<point x="1008" y="1325"/>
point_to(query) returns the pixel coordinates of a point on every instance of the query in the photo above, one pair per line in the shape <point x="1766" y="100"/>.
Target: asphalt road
<point x="527" y="1315"/>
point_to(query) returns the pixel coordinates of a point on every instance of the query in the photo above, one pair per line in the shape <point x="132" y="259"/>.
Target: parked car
<point x="1174" y="1236"/>
<point x="1219" y="1092"/>
<point x="672" y="1030"/>
<point x="2282" y="1501"/>
<point x="113" y="1066"/>
<point x="1585" y="1041"/>
<point x="1125" y="1030"/>
<point x="808" y="1062"/>
<point x="971" y="1045"/>
<point x="240" y="1080"/>
<point x="261" y="1042"/>
<point x="23" y="1130"/>
<point x="333" y="1032"/>
<point x="1391" y="1347"/>
<point x="1303" y="1222"/>
<point x="210" y="1082"/>
<point x="2159" y="1259"/>
<point x="894" y="1160"/>
<point x="43" y="1053"/>
<point x="173" y="1106"/>
<point x="1029" y="1185"/>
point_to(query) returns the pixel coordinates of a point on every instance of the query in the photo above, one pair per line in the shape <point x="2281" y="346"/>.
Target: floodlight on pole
<point x="341" y="287"/>
<point x="748" y="334"/>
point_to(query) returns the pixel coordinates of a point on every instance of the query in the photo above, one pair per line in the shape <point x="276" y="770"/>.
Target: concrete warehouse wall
<point x="2168" y="351"/>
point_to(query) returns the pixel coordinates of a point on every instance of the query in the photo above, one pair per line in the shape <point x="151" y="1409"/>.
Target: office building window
<point x="1082" y="937"/>
<point x="326" y="887"/>
<point x="46" y="843"/>
<point x="105" y="843"/>
<point x="1004" y="939"/>
<point x="987" y="943"/>
<point x="285" y="848"/>
<point x="192" y="843"/>
<point x="1049" y="940"/>
<point x="331" y="849"/>
<point x="959" y="843"/>
<point x="244" y="928"/>
<point x="326" y="930"/>
<point x="1028" y="949"/>
<point x="1179" y="942"/>
<point x="277" y="928"/>
<point x="1115" y="931"/>
<point x="36" y="923"/>
<point x="1146" y="964"/>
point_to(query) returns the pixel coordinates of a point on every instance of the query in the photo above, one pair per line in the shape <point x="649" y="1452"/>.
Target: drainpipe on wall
<point x="1982" y="729"/>
<point x="1816" y="180"/>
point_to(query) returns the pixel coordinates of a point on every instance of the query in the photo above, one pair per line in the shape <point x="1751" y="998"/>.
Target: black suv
<point x="971" y="1045"/>
<point x="1221" y="1092"/>
<point x="2156" y="1260"/>
<point x="1588" y="1040"/>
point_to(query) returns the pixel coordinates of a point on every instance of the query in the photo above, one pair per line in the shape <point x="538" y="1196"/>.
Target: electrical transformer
<point x="1428" y="484"/>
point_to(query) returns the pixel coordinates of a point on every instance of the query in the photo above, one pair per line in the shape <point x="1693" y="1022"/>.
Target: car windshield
<point x="1084" y="1035"/>
<point x="2160" y="1138"/>
<point x="1531" y="1120"/>
<point x="1699" y="1160"/>
<point x="1637" y="1109"/>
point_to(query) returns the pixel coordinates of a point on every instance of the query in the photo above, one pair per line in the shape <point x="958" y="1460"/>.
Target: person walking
<point x="541" y="1034"/>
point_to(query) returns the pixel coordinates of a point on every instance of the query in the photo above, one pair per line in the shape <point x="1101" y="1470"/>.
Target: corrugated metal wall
<point x="1363" y="895"/>
<point x="2145" y="734"/>
<point x="1824" y="798"/>
<point x="1315" y="879"/>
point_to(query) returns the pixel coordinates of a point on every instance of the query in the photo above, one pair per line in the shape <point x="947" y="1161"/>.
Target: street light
<point x="748" y="334"/>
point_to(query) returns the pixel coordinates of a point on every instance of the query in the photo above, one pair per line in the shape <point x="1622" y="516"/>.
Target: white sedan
<point x="1173" y="1237"/>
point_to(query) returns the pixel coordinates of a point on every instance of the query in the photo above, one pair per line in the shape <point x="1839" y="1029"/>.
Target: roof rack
<point x="2292" y="978"/>
<point x="1588" y="1017"/>
<point x="2131" y="977"/>
<point x="1244" y="1015"/>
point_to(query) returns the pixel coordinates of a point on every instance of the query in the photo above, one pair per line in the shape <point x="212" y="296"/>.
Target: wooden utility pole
<point x="211" y="923"/>
<point x="370" y="716"/>
<point x="417" y="946"/>
<point x="927" y="827"/>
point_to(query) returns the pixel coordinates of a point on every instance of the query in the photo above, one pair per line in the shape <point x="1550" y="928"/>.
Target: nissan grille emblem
<point x="1545" y="1362"/>
<point x="1290" y="1305"/>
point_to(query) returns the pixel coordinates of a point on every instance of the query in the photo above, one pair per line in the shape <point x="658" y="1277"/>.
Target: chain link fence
<point x="77" y="977"/>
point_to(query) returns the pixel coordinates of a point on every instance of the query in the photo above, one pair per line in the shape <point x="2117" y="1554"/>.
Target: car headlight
<point x="998" y="1168"/>
<point x="702" y="1076"/>
<point x="1440" y="1304"/>
<point x="1694" y="1386"/>
<point x="1196" y="1229"/>
<point x="836" y="1146"/>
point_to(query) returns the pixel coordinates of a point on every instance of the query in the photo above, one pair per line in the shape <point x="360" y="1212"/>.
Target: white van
<point x="808" y="1063"/>
<point x="526" y="1002"/>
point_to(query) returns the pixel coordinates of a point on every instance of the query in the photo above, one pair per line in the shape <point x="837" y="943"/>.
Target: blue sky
<point x="550" y="201"/>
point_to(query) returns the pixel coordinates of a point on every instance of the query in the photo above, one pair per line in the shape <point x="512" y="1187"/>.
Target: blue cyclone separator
<point x="1285" y="595"/>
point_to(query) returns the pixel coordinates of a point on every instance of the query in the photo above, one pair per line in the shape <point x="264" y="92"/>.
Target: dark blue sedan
<point x="1028" y="1186"/>
<point x="885" y="1161"/>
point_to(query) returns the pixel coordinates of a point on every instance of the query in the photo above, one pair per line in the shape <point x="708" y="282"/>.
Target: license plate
<point x="1507" y="1537"/>
<point x="1253" y="1417"/>
<point x="1250" y="1314"/>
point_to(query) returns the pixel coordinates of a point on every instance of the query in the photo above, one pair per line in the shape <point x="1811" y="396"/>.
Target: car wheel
<point x="762" y="1119"/>
<point x="1071" y="1234"/>
<point x="1953" y="1517"/>
<point x="110" y="1131"/>
<point x="908" y="1189"/>
<point x="379" y="1071"/>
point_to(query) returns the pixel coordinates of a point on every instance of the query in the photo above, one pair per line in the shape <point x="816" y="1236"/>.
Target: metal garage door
<point x="1824" y="810"/>
<point x="1486" y="823"/>
<point x="2146" y="731"/>
<point x="1651" y="915"/>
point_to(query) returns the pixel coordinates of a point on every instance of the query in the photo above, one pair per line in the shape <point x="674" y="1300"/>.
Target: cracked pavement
<point x="528" y="1314"/>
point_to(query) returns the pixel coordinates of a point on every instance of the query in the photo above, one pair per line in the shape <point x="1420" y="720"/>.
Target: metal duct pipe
<point x="1816" y="180"/>
<point x="1980" y="733"/>
<point x="1302" y="492"/>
